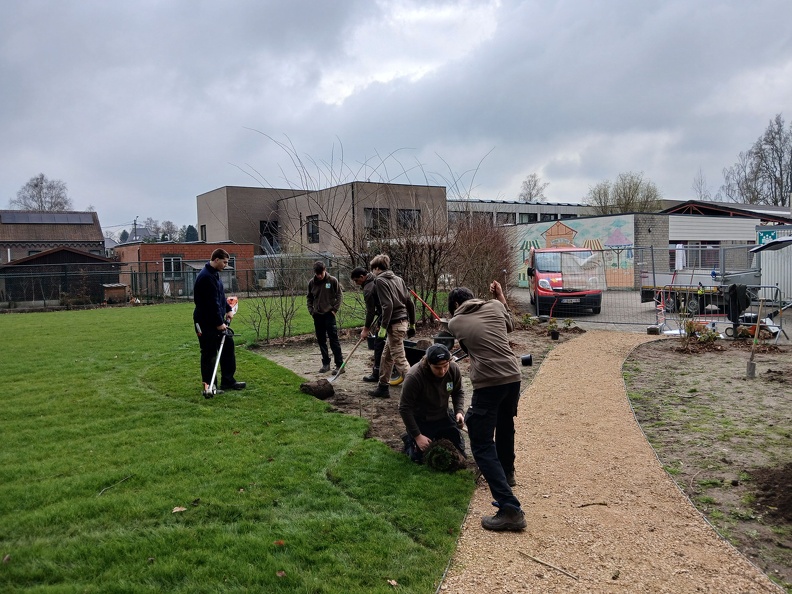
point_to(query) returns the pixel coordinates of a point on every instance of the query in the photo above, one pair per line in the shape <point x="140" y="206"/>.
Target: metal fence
<point x="640" y="286"/>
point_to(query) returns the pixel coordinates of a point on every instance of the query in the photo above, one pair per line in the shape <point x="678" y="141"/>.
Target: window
<point x="569" y="216"/>
<point x="481" y="218"/>
<point x="33" y="252"/>
<point x="408" y="219"/>
<point x="548" y="216"/>
<point x="528" y="217"/>
<point x="203" y="232"/>
<point x="312" y="228"/>
<point x="172" y="267"/>
<point x="455" y="217"/>
<point x="268" y="231"/>
<point x="505" y="218"/>
<point x="377" y="221"/>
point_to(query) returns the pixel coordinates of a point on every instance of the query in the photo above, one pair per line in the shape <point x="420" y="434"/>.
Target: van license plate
<point x="570" y="301"/>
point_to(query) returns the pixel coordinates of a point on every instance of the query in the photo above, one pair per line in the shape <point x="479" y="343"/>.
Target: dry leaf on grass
<point x="178" y="509"/>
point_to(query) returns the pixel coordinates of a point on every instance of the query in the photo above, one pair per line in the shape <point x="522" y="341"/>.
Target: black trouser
<point x="325" y="327"/>
<point x="490" y="422"/>
<point x="210" y="342"/>
<point x="379" y="346"/>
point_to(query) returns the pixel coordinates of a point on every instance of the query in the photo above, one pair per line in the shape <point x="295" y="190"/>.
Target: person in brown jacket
<point x="424" y="403"/>
<point x="481" y="327"/>
<point x="324" y="300"/>
<point x="397" y="321"/>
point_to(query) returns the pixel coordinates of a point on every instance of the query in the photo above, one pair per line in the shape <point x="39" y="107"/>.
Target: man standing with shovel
<point x="481" y="327"/>
<point x="397" y="321"/>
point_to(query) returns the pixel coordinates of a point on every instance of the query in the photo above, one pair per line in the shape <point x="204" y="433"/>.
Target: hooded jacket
<point x="425" y="396"/>
<point x="325" y="295"/>
<point x="373" y="307"/>
<point x="394" y="298"/>
<point x="481" y="327"/>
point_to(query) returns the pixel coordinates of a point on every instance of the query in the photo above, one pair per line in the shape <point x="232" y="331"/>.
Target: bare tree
<point x="42" y="194"/>
<point x="629" y="193"/>
<point x="154" y="226"/>
<point x="481" y="253"/>
<point x="169" y="230"/>
<point x="700" y="187"/>
<point x="533" y="189"/>
<point x="763" y="174"/>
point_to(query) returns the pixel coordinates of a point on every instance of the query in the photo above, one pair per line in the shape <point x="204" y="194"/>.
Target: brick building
<point x="168" y="269"/>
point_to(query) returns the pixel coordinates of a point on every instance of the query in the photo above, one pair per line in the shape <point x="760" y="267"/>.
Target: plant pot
<point x="554" y="334"/>
<point x="371" y="341"/>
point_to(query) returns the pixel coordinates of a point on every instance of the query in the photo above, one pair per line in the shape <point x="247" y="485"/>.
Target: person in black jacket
<point x="211" y="317"/>
<point x="365" y="280"/>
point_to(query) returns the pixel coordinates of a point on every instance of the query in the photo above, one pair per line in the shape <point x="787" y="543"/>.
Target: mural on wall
<point x="613" y="235"/>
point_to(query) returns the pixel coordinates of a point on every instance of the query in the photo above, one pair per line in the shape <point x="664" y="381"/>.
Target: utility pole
<point x="134" y="230"/>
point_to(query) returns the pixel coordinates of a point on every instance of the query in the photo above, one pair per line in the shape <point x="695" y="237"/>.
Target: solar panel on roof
<point x="49" y="218"/>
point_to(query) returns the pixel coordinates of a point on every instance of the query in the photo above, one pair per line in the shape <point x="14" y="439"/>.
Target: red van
<point x="568" y="279"/>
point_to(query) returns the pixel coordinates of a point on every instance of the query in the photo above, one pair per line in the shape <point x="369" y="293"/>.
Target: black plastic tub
<point x="414" y="354"/>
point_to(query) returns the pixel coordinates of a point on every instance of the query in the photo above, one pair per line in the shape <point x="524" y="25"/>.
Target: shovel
<point x="343" y="365"/>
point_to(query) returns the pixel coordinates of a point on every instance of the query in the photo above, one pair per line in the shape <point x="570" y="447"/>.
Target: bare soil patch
<point x="301" y="355"/>
<point x="725" y="439"/>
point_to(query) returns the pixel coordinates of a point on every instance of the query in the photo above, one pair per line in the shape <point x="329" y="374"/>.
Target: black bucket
<point x="413" y="353"/>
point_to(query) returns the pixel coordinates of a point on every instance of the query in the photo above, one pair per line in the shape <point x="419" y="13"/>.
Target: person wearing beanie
<point x="424" y="402"/>
<point x="481" y="327"/>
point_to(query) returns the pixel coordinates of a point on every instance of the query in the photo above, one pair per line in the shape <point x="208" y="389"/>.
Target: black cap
<point x="437" y="353"/>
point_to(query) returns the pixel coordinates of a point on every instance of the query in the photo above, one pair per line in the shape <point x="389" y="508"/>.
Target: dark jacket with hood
<point x="373" y="307"/>
<point x="425" y="396"/>
<point x="324" y="295"/>
<point x="481" y="327"/>
<point x="394" y="298"/>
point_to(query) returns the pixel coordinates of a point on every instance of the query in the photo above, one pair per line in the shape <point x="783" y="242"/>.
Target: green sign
<point x="763" y="237"/>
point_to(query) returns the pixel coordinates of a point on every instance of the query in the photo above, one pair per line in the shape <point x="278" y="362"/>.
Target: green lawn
<point x="105" y="432"/>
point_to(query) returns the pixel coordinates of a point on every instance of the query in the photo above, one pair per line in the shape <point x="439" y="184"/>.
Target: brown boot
<point x="507" y="518"/>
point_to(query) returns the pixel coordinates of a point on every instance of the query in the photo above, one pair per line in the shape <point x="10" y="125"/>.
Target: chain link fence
<point x="639" y="286"/>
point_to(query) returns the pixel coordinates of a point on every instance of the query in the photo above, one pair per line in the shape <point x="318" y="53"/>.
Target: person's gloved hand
<point x="411" y="331"/>
<point x="382" y="332"/>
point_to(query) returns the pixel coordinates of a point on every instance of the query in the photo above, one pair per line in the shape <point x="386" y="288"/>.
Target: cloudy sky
<point x="141" y="106"/>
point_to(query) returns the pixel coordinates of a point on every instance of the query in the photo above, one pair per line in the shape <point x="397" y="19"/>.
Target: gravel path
<point x="598" y="504"/>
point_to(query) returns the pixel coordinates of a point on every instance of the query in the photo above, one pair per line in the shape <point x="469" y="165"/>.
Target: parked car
<point x="568" y="279"/>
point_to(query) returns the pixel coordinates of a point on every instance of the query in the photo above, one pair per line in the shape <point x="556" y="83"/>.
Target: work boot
<point x="339" y="369"/>
<point x="507" y="518"/>
<point x="382" y="391"/>
<point x="325" y="368"/>
<point x="373" y="376"/>
<point x="510" y="479"/>
<point x="234" y="386"/>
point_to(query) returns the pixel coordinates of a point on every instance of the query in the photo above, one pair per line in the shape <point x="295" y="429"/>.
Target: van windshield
<point x="560" y="261"/>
